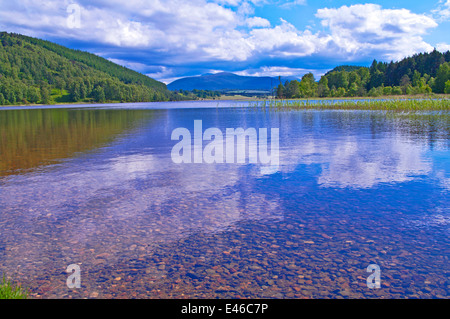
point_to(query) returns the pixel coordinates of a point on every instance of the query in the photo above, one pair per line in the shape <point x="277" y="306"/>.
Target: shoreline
<point x="387" y="97"/>
<point x="256" y="99"/>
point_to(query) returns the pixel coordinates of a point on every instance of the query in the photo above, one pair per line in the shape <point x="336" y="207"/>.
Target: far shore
<point x="387" y="97"/>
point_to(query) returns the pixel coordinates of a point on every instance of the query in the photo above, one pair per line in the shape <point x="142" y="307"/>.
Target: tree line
<point x="198" y="94"/>
<point x="423" y="73"/>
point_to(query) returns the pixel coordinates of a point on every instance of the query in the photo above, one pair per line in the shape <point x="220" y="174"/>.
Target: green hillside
<point x="38" y="71"/>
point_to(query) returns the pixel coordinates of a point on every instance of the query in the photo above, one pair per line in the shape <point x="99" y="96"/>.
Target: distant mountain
<point x="38" y="71"/>
<point x="225" y="81"/>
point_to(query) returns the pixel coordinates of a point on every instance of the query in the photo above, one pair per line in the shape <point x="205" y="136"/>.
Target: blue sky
<point x="171" y="39"/>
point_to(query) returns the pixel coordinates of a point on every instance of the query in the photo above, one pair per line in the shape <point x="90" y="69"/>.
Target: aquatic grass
<point x="8" y="290"/>
<point x="390" y="105"/>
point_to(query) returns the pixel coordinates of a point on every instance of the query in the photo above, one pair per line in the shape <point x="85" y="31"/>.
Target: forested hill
<point x="38" y="71"/>
<point x="422" y="73"/>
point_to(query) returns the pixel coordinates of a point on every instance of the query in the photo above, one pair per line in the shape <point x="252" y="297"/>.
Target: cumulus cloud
<point x="257" y="22"/>
<point x="131" y="23"/>
<point x="285" y="40"/>
<point x="443" y="47"/>
<point x="364" y="29"/>
<point x="274" y="71"/>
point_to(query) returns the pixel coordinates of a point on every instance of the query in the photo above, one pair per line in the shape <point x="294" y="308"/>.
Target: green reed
<point x="392" y="104"/>
<point x="10" y="291"/>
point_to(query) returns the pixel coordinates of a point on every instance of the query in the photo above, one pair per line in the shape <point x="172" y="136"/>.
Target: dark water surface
<point x="96" y="186"/>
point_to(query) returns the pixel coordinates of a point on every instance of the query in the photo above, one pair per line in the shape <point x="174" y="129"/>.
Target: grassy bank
<point x="9" y="290"/>
<point x="361" y="104"/>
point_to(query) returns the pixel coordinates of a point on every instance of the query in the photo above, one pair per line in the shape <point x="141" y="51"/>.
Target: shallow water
<point x="97" y="187"/>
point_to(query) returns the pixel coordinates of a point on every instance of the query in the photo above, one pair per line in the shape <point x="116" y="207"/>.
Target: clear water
<point x="96" y="186"/>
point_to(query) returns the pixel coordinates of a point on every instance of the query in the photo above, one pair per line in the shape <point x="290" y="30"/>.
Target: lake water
<point x="96" y="186"/>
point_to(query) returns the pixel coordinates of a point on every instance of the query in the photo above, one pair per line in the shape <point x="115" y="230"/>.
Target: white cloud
<point x="163" y="74"/>
<point x="245" y="9"/>
<point x="274" y="71"/>
<point x="367" y="28"/>
<point x="290" y="4"/>
<point x="442" y="12"/>
<point x="152" y="24"/>
<point x="443" y="47"/>
<point x="285" y="40"/>
<point x="255" y="22"/>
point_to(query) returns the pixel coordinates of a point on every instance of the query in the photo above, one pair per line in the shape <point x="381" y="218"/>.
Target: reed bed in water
<point x="8" y="290"/>
<point x="394" y="104"/>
